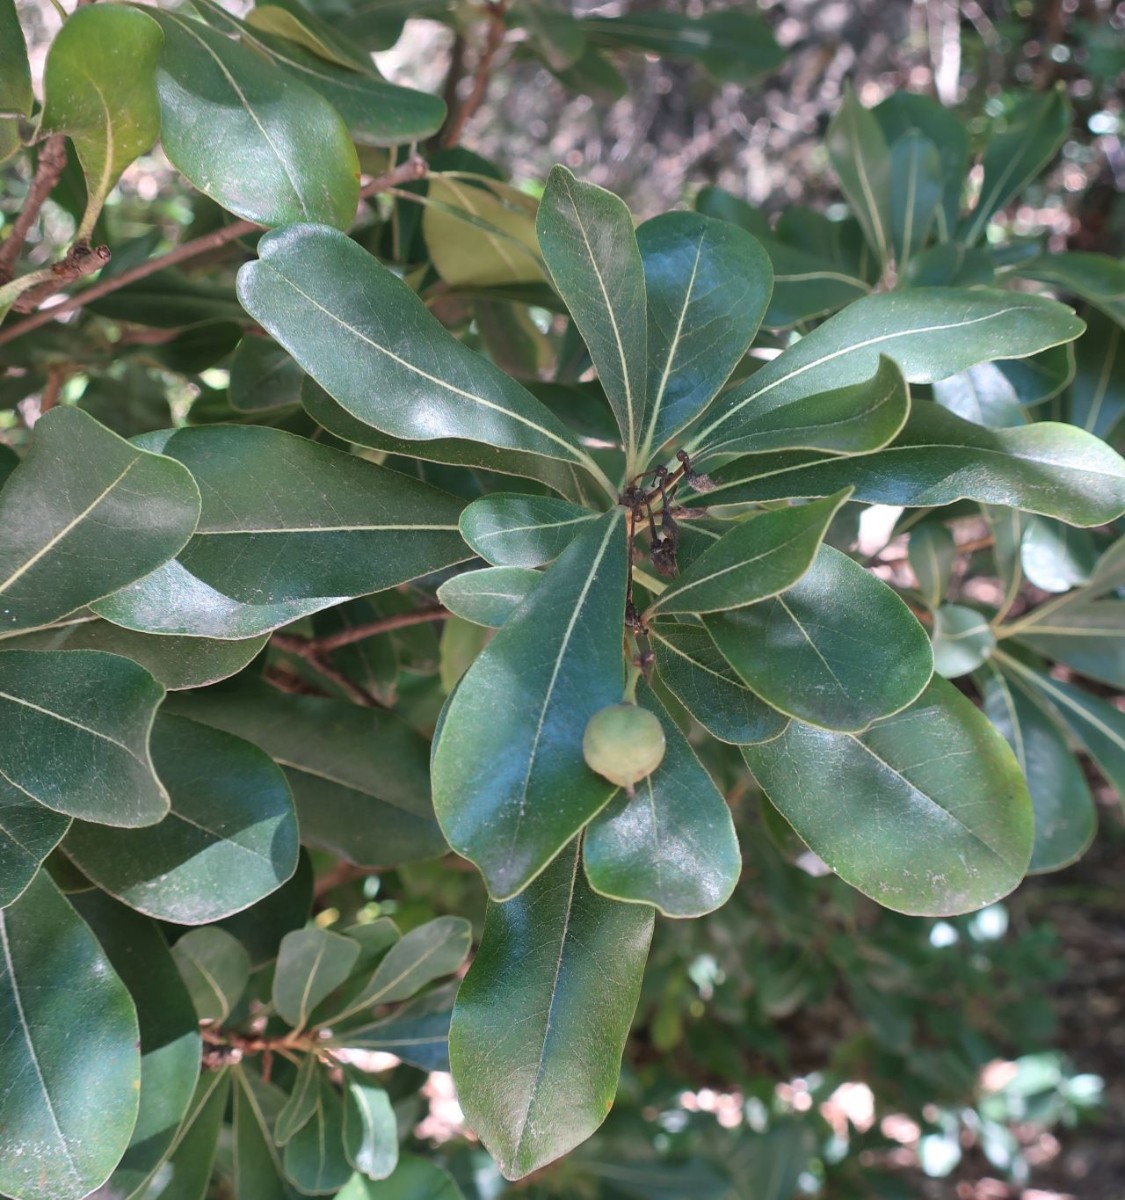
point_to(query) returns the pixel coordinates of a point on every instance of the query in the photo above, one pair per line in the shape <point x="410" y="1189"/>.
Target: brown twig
<point x="357" y="633"/>
<point x="52" y="159"/>
<point x="56" y="377"/>
<point x="482" y="74"/>
<point x="81" y="259"/>
<point x="413" y="168"/>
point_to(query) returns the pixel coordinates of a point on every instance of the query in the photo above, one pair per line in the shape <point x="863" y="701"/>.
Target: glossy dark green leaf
<point x="672" y="844"/>
<point x="1097" y="724"/>
<point x="543" y="1014"/>
<point x="862" y="160"/>
<point x="931" y="333"/>
<point x="263" y="376"/>
<point x="311" y="963"/>
<point x="1097" y="278"/>
<point x="806" y="286"/>
<point x="67" y="1117"/>
<point x="416" y="1032"/>
<point x="369" y="341"/>
<point x="376" y="113"/>
<point x="229" y="839"/>
<point x="288" y="527"/>
<point x="963" y="639"/>
<point x="187" y="1172"/>
<point x="915" y="169"/>
<point x="359" y="777"/>
<point x="811" y="654"/>
<point x="983" y="394"/>
<point x="720" y="204"/>
<point x="732" y="46"/>
<point x="926" y="812"/>
<point x="174" y="662"/>
<point x="370" y="1134"/>
<point x="693" y="669"/>
<point x="1046" y="468"/>
<point x="257" y="1170"/>
<point x="16" y="97"/>
<point x="68" y="537"/>
<point x="1097" y="395"/>
<point x="262" y="145"/>
<point x="313" y="1159"/>
<point x="170" y="1044"/>
<point x="511" y="530"/>
<point x="509" y="756"/>
<point x="413" y="1179"/>
<point x="850" y="420"/>
<point x="216" y="969"/>
<point x="28" y="833"/>
<point x="74" y="734"/>
<point x="1088" y="637"/>
<point x="708" y="284"/>
<point x="460" y="644"/>
<point x="586" y="235"/>
<point x="427" y="953"/>
<point x="932" y="553"/>
<point x="1016" y="156"/>
<point x="99" y="89"/>
<point x="1065" y="820"/>
<point x="758" y="558"/>
<point x="489" y="596"/>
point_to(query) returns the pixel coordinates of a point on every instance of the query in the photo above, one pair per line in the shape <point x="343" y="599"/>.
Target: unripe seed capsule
<point x="623" y="743"/>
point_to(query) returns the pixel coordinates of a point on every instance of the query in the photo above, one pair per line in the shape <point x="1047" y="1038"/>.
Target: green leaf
<point x="489" y="596"/>
<point x="672" y="844"/>
<point x="931" y="333"/>
<point x="1016" y="156"/>
<point x="1097" y="724"/>
<point x="758" y="558"/>
<point x="313" y="1159"/>
<point x="260" y="144"/>
<point x="257" y="1173"/>
<point x="1065" y="820"/>
<point x="805" y="285"/>
<point x="1088" y="637"/>
<point x="359" y="777"/>
<point x="370" y="1133"/>
<point x="932" y="553"/>
<point x="915" y="198"/>
<point x="413" y="1179"/>
<point x="16" y="96"/>
<point x="1097" y="395"/>
<point x="693" y="669"/>
<point x="216" y="969"/>
<point x="510" y="530"/>
<point x="926" y="812"/>
<point x="543" y="1014"/>
<point x="263" y="376"/>
<point x="1056" y="557"/>
<point x="68" y="537"/>
<point x="170" y="1043"/>
<point x="9" y="460"/>
<point x="863" y="163"/>
<point x="100" y="90"/>
<point x="983" y="394"/>
<point x="733" y="47"/>
<point x="417" y="1032"/>
<point x="369" y="341"/>
<point x="288" y="527"/>
<point x="28" y="833"/>
<point x="510" y="785"/>
<point x="187" y="1173"/>
<point x="1046" y="468"/>
<point x="74" y="734"/>
<point x="586" y="235"/>
<point x="427" y="953"/>
<point x="229" y="839"/>
<point x="963" y="639"/>
<point x="708" y="284"/>
<point x="310" y="964"/>
<point x="810" y="654"/>
<point x="301" y="1105"/>
<point x="174" y="662"/>
<point x="1097" y="278"/>
<point x="67" y="1117"/>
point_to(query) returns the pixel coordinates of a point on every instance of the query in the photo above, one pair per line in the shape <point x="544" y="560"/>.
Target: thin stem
<point x="482" y="75"/>
<point x="357" y="633"/>
<point x="52" y="160"/>
<point x="413" y="168"/>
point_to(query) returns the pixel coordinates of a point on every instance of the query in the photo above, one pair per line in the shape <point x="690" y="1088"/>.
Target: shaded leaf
<point x="299" y="1108"/>
<point x="863" y="163"/>
<point x="263" y="376"/>
<point x="216" y="969"/>
<point x="370" y="1133"/>
<point x="187" y="1172"/>
<point x="925" y="812"/>
<point x="416" y="1032"/>
<point x="543" y="1014"/>
<point x="932" y="552"/>
<point x="511" y="530"/>
<point x="489" y="596"/>
<point x="310" y="964"/>
<point x="257" y="1173"/>
<point x="963" y="639"/>
<point x="313" y="1159"/>
<point x="413" y="1179"/>
<point x="28" y="833"/>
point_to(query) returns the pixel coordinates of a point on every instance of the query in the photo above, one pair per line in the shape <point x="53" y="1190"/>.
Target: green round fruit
<point x="623" y="743"/>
